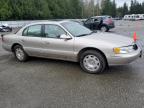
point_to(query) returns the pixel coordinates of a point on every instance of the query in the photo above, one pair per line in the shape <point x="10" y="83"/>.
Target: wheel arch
<point x="104" y="25"/>
<point x="91" y="48"/>
<point x="12" y="48"/>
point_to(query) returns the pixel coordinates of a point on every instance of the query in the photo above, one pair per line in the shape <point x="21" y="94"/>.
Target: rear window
<point x="106" y="17"/>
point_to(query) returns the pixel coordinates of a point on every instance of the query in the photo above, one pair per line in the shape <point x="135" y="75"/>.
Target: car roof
<point x="49" y="22"/>
<point x="43" y="22"/>
<point x="100" y="16"/>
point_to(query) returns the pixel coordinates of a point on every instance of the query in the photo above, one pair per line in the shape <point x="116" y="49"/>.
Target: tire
<point x="92" y="62"/>
<point x="10" y="30"/>
<point x="20" y="53"/>
<point x="104" y="29"/>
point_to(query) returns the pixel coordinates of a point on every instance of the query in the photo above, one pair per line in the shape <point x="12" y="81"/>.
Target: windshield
<point x="76" y="29"/>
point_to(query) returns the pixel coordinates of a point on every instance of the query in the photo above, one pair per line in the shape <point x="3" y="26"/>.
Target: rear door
<point x="32" y="40"/>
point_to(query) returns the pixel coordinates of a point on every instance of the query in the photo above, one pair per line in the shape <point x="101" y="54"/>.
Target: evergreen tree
<point x="5" y="10"/>
<point x="125" y="9"/>
<point x="107" y="7"/>
<point x="113" y="9"/>
<point x="120" y="11"/>
<point x="49" y="9"/>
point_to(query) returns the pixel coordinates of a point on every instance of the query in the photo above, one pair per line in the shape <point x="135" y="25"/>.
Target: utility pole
<point x="82" y="7"/>
<point x="98" y="7"/>
<point x="93" y="7"/>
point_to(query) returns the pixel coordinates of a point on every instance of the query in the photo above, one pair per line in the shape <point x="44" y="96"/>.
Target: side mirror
<point x="64" y="36"/>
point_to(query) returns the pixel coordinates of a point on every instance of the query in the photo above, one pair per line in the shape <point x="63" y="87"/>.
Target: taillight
<point x="109" y="21"/>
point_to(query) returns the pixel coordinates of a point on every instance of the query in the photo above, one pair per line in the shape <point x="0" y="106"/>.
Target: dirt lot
<point x="44" y="83"/>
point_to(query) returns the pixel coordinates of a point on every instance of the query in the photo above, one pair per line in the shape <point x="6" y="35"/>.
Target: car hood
<point x="117" y="40"/>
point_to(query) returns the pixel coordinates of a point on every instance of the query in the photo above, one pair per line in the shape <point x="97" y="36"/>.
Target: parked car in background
<point x="103" y="23"/>
<point x="134" y="17"/>
<point x="141" y="16"/>
<point x="67" y="40"/>
<point x="117" y="18"/>
<point x="5" y="28"/>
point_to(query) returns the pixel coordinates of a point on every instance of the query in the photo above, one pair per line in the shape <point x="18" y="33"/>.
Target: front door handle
<point x="47" y="42"/>
<point x="22" y="40"/>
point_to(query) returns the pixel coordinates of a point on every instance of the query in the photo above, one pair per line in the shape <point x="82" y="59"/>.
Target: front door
<point x="89" y="23"/>
<point x="54" y="46"/>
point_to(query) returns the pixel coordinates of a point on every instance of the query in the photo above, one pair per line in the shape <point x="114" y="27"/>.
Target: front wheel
<point x="10" y="30"/>
<point x="92" y="62"/>
<point x="20" y="53"/>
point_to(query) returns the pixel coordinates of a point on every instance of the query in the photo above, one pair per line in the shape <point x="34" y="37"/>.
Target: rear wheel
<point x="20" y="53"/>
<point x="92" y="62"/>
<point x="104" y="29"/>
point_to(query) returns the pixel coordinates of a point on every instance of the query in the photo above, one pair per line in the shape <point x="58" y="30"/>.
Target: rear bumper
<point x="123" y="59"/>
<point x="111" y="26"/>
<point x="6" y="47"/>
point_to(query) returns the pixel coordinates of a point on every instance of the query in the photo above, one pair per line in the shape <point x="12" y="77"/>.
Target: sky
<point x="121" y="2"/>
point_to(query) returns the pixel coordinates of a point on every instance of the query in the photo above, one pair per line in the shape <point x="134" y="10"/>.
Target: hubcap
<point x="91" y="63"/>
<point x="103" y="29"/>
<point x="19" y="53"/>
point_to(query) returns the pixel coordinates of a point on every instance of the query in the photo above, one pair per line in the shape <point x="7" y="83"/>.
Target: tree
<point x="40" y="9"/>
<point x="136" y="7"/>
<point x="107" y="7"/>
<point x="125" y="9"/>
<point x="50" y="9"/>
<point x="76" y="8"/>
<point x="143" y="7"/>
<point x="120" y="11"/>
<point x="113" y="13"/>
<point x="5" y="10"/>
<point x="97" y="9"/>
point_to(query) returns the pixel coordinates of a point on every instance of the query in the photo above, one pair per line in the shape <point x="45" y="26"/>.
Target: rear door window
<point x="33" y="31"/>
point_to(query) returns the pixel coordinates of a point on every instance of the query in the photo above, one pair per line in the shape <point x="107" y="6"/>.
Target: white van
<point x="141" y="16"/>
<point x="134" y="17"/>
<point x="127" y="17"/>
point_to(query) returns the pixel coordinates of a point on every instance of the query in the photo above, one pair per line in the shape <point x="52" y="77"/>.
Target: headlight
<point x="123" y="50"/>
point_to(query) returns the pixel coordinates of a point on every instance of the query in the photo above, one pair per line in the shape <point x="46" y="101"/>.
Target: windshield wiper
<point x="82" y="35"/>
<point x="86" y="34"/>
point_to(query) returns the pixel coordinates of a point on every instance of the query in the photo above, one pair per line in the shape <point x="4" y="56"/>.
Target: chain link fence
<point x="140" y="43"/>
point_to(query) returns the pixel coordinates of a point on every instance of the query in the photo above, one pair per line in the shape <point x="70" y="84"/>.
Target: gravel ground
<point x="45" y="83"/>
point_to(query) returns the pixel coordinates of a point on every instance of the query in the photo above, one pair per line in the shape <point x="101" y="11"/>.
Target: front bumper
<point x="122" y="59"/>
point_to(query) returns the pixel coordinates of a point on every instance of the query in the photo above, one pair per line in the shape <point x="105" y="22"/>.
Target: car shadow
<point x="64" y="66"/>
